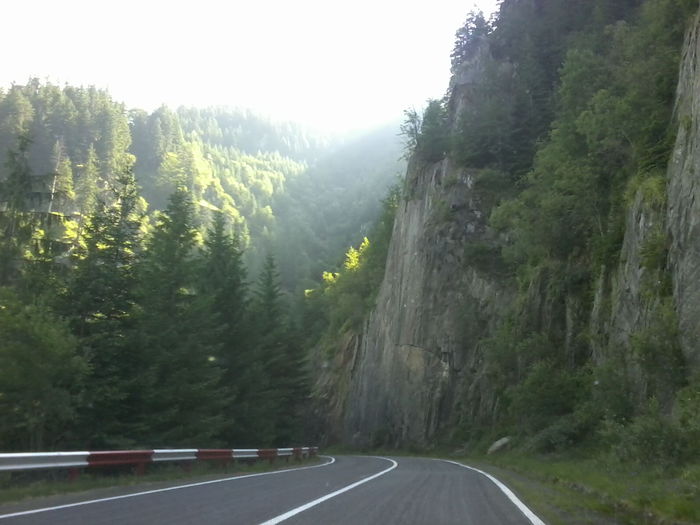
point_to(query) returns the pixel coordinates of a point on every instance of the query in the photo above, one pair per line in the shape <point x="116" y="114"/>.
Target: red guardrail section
<point x="119" y="457"/>
<point x="267" y="453"/>
<point x="215" y="453"/>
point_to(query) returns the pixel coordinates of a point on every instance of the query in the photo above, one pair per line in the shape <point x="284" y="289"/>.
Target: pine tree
<point x="15" y="223"/>
<point x="101" y="301"/>
<point x="87" y="182"/>
<point x="61" y="180"/>
<point x="468" y="38"/>
<point x="223" y="282"/>
<point x="277" y="356"/>
<point x="178" y="336"/>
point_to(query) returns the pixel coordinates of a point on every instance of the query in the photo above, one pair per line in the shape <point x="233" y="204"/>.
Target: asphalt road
<point x="347" y="490"/>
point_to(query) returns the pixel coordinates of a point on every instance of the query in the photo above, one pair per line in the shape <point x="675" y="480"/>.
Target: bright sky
<point x="333" y="64"/>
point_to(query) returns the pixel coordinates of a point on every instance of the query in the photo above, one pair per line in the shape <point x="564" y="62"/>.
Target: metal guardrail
<point x="183" y="454"/>
<point x="51" y="460"/>
<point x="45" y="460"/>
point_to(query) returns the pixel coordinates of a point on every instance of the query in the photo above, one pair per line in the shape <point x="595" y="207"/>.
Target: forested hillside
<point x="142" y="302"/>
<point x="537" y="280"/>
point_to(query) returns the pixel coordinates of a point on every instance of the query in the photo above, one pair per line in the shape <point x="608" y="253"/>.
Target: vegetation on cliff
<point x="570" y="125"/>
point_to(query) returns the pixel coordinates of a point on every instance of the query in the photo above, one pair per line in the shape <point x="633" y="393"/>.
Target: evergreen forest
<point x="152" y="267"/>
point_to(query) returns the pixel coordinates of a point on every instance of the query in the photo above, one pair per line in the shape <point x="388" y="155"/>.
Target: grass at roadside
<point x="579" y="487"/>
<point x="21" y="486"/>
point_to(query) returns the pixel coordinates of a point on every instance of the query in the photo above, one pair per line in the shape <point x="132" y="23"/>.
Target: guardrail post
<point x="73" y="474"/>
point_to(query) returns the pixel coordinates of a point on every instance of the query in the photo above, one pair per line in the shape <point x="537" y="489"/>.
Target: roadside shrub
<point x="649" y="439"/>
<point x="486" y="258"/>
<point x="567" y="431"/>
<point x="547" y="394"/>
<point x="688" y="406"/>
<point x="612" y="391"/>
<point x="658" y="353"/>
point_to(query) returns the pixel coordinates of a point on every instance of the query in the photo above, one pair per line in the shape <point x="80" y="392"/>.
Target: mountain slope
<point x="538" y="279"/>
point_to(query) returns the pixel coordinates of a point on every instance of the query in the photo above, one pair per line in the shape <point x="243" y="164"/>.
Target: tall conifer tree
<point x="178" y="336"/>
<point x="100" y="301"/>
<point x="223" y="282"/>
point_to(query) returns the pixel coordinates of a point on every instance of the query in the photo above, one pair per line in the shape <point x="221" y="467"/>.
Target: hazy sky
<point x="332" y="64"/>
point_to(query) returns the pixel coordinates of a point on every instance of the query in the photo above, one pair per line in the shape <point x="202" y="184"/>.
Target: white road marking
<point x="509" y="493"/>
<point x="155" y="491"/>
<point x="294" y="512"/>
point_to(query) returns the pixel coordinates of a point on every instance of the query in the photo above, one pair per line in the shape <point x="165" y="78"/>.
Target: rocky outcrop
<point x="419" y="344"/>
<point x="401" y="380"/>
<point x="683" y="214"/>
<point x="625" y="295"/>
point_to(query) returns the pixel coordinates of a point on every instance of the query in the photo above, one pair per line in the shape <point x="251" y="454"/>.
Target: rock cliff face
<point x="401" y="379"/>
<point x="630" y="299"/>
<point x="683" y="213"/>
<point x="417" y="345"/>
<point x="417" y="366"/>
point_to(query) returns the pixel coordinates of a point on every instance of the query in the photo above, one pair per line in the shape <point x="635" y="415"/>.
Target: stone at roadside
<point x="499" y="445"/>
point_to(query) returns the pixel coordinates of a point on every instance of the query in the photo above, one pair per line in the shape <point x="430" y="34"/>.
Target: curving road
<point x="344" y="490"/>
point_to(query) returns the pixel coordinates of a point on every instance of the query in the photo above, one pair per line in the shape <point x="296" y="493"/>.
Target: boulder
<point x="499" y="445"/>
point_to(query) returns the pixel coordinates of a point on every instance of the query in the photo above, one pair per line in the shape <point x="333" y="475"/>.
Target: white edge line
<point x="167" y="489"/>
<point x="297" y="510"/>
<point x="509" y="493"/>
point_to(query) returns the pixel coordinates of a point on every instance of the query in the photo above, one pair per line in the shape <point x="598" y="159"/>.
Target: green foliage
<point x="658" y="352"/>
<point x="349" y="295"/>
<point x="349" y="290"/>
<point x="654" y="251"/>
<point x="433" y="140"/>
<point x="16" y="223"/>
<point x="649" y="439"/>
<point x="468" y="38"/>
<point x="177" y="336"/>
<point x="486" y="258"/>
<point x="426" y="136"/>
<point x="100" y="302"/>
<point x="492" y="186"/>
<point x="511" y="101"/>
<point x="565" y="432"/>
<point x="610" y="127"/>
<point x="442" y="213"/>
<point x="284" y="188"/>
<point x="600" y="139"/>
<point x="547" y="393"/>
<point x="276" y="397"/>
<point x="484" y="137"/>
<point x="598" y="490"/>
<point x="688" y="410"/>
<point x="651" y="187"/>
<point x="613" y="390"/>
<point x="41" y="376"/>
<point x="410" y="130"/>
<point x="223" y="279"/>
<point x="175" y="348"/>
